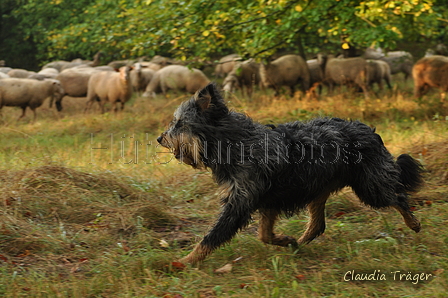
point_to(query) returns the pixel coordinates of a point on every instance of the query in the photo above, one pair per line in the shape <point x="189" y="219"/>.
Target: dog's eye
<point x="179" y="123"/>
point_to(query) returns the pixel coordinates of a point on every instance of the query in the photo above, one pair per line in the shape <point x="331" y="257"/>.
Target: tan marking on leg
<point x="411" y="221"/>
<point x="199" y="253"/>
<point x="266" y="227"/>
<point x="316" y="224"/>
<point x="266" y="230"/>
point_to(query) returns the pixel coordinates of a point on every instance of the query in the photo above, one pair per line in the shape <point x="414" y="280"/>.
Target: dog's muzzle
<point x="163" y="141"/>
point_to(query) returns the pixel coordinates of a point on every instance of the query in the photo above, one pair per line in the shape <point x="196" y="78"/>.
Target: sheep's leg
<point x="34" y="114"/>
<point x="420" y="90"/>
<point x="250" y="90"/>
<point x="23" y="113"/>
<point x="292" y="91"/>
<point x="365" y="90"/>
<point x="101" y="105"/>
<point x="330" y="89"/>
<point x="88" y="105"/>
<point x="388" y="83"/>
<point x="381" y="85"/>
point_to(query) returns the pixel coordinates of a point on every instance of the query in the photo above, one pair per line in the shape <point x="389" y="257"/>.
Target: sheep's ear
<point x="208" y="96"/>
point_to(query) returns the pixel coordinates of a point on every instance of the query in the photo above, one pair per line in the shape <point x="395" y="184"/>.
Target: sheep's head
<point x="230" y="83"/>
<point x="124" y="73"/>
<point x="267" y="71"/>
<point x="58" y="94"/>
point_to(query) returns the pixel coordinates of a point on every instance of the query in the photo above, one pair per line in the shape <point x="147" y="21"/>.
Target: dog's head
<point x="187" y="132"/>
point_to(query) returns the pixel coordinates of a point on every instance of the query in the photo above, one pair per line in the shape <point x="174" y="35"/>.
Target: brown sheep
<point x="430" y="72"/>
<point x="176" y="77"/>
<point x="288" y="70"/>
<point x="226" y="64"/>
<point x="107" y="86"/>
<point x="245" y="75"/>
<point x="29" y="93"/>
<point x="399" y="61"/>
<point x="378" y="71"/>
<point x="346" y="71"/>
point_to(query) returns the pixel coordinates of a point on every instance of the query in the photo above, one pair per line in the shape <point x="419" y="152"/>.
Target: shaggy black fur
<point x="283" y="169"/>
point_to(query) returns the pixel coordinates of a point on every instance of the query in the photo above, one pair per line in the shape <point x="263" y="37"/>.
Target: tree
<point x="199" y="29"/>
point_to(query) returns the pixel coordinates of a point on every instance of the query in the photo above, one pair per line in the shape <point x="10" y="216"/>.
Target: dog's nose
<point x="159" y="139"/>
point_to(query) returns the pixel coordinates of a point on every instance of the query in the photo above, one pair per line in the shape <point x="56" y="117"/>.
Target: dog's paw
<point x="282" y="240"/>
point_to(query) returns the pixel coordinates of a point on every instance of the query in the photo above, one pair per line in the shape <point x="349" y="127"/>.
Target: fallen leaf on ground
<point x="224" y="269"/>
<point x="178" y="265"/>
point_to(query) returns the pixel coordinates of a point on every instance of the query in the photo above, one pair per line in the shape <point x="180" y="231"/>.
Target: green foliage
<point x="198" y="29"/>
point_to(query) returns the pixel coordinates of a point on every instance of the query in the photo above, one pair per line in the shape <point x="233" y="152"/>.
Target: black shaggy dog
<point x="281" y="170"/>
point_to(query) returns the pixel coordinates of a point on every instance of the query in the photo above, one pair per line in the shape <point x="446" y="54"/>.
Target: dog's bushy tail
<point x="411" y="176"/>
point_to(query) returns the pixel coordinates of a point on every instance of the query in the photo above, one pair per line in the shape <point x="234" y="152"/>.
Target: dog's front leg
<point x="232" y="219"/>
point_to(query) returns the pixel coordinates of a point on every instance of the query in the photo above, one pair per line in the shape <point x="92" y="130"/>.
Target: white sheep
<point x="140" y="77"/>
<point x="29" y="93"/>
<point x="107" y="86"/>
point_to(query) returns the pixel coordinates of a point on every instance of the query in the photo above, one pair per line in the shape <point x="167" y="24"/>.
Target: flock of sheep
<point x="114" y="83"/>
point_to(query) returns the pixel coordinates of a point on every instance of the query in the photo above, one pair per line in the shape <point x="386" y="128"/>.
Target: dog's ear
<point x="208" y="96"/>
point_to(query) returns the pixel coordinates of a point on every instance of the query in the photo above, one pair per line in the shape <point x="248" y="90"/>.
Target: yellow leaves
<point x="396" y="30"/>
<point x="213" y="30"/>
<point x="389" y="5"/>
<point x="278" y="22"/>
<point x="219" y="35"/>
<point x="298" y="8"/>
<point x="345" y="46"/>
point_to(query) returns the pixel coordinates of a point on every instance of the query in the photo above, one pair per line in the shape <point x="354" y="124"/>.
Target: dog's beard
<point x="186" y="149"/>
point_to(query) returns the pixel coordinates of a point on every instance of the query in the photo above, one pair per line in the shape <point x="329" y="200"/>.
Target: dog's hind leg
<point x="402" y="206"/>
<point x="380" y="195"/>
<point x="266" y="229"/>
<point x="316" y="224"/>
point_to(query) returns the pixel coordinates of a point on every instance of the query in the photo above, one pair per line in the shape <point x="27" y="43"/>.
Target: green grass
<point x="83" y="222"/>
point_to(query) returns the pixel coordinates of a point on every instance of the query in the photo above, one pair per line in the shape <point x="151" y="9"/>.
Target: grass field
<point x="91" y="206"/>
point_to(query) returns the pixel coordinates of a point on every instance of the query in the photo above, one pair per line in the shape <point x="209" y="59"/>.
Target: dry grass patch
<point x="37" y="202"/>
